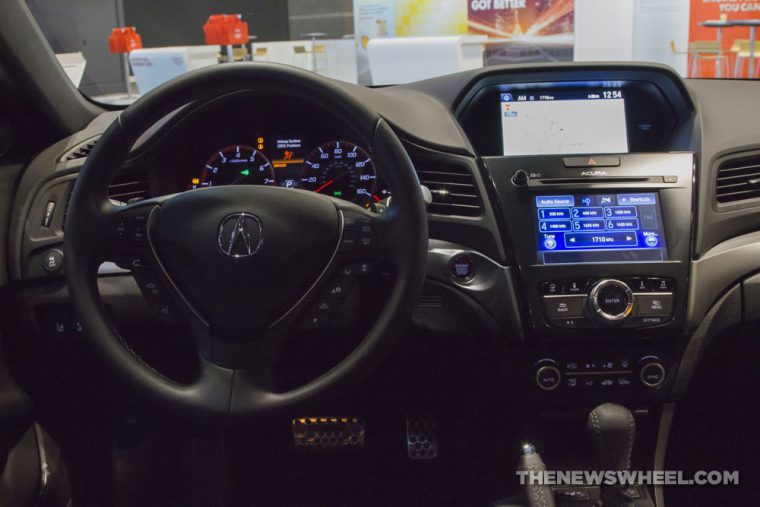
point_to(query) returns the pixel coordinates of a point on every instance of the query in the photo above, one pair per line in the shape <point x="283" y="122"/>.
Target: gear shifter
<point x="613" y="430"/>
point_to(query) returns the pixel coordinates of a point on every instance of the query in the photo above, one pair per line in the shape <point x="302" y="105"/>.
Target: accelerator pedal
<point x="421" y="437"/>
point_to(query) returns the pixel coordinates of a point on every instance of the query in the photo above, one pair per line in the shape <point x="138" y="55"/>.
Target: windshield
<point x="114" y="51"/>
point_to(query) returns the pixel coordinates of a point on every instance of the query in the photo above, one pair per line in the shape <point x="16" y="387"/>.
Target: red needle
<point x="325" y="185"/>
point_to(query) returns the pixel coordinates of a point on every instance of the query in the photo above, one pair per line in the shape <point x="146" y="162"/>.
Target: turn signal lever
<point x="536" y="494"/>
<point x="613" y="430"/>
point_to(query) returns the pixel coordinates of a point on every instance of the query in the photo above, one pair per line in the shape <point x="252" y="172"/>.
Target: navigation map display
<point x="579" y="228"/>
<point x="568" y="121"/>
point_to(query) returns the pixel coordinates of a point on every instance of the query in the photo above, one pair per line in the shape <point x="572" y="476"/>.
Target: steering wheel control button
<point x="462" y="268"/>
<point x="652" y="373"/>
<point x="349" y="241"/>
<point x="564" y="307"/>
<point x="326" y="306"/>
<point x="314" y="321"/>
<point x="338" y="289"/>
<point x="52" y="261"/>
<point x="360" y="268"/>
<point x="611" y="301"/>
<point x="366" y="235"/>
<point x="548" y="377"/>
<point x="655" y="304"/>
<point x="131" y="227"/>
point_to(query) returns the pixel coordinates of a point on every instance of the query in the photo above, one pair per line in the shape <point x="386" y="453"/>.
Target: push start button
<point x="462" y="268"/>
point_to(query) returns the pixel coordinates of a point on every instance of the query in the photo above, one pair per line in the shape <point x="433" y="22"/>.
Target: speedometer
<point x="235" y="165"/>
<point x="340" y="169"/>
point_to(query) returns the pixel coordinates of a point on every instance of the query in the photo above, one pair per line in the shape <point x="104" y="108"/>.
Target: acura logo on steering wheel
<point x="240" y="235"/>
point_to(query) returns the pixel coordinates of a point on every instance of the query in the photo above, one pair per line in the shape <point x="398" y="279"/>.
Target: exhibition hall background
<point x="517" y="31"/>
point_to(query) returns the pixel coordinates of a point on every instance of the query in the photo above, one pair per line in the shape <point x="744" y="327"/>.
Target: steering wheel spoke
<point x="130" y="247"/>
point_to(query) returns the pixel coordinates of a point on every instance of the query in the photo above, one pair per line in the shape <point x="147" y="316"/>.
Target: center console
<point x="595" y="196"/>
<point x="609" y="254"/>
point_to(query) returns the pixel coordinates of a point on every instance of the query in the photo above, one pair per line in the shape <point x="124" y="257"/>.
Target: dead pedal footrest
<point x="328" y="433"/>
<point x="421" y="437"/>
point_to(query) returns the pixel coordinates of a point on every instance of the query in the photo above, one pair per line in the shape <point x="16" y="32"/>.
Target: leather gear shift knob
<point x="612" y="430"/>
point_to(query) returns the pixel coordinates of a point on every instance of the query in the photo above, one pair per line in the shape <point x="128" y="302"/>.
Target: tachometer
<point x="340" y="169"/>
<point x="235" y="165"/>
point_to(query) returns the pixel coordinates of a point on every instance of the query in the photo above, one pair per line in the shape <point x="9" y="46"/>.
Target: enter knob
<point x="610" y="301"/>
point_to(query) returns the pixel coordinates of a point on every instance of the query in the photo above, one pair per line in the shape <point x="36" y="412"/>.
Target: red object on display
<point x="225" y="30"/>
<point x="124" y="40"/>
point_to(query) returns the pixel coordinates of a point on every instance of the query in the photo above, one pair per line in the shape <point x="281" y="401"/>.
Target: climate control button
<point x="548" y="377"/>
<point x="651" y="371"/>
<point x="611" y="301"/>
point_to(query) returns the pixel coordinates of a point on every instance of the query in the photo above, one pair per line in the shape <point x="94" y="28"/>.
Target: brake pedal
<point x="421" y="437"/>
<point x="328" y="433"/>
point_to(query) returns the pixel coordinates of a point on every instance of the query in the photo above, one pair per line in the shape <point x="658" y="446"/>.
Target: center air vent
<point x="81" y="150"/>
<point x="738" y="179"/>
<point x="453" y="188"/>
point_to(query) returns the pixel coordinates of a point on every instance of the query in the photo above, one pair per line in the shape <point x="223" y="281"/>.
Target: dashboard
<point x="574" y="216"/>
<point x="291" y="144"/>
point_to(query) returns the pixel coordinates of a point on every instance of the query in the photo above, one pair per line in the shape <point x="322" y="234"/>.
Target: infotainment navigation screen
<point x="567" y="121"/>
<point x="578" y="228"/>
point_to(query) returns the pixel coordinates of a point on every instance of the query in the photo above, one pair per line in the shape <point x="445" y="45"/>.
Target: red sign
<point x="124" y="40"/>
<point x="225" y="30"/>
<point x="705" y="52"/>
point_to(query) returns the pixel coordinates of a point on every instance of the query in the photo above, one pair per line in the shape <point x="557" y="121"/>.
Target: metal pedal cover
<point x="328" y="433"/>
<point x="421" y="437"/>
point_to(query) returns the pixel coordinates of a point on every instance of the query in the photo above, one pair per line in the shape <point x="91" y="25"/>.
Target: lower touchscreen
<point x="609" y="227"/>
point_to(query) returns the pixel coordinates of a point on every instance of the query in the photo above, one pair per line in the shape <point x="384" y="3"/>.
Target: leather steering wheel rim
<point x="222" y="392"/>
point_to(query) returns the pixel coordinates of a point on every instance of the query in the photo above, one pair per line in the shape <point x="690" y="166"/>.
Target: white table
<point x="720" y="24"/>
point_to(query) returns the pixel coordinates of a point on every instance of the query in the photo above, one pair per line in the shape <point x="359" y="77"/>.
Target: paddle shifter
<point x="613" y="429"/>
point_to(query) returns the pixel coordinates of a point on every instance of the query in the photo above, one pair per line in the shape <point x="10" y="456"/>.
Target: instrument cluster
<point x="338" y="168"/>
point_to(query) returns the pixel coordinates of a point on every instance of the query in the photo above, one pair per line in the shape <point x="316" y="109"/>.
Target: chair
<point x="261" y="54"/>
<point x="301" y="57"/>
<point x="674" y="53"/>
<point x="741" y="51"/>
<point x="707" y="51"/>
<point x="320" y="59"/>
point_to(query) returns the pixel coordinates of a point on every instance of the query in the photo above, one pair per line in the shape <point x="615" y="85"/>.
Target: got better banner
<point x="518" y="30"/>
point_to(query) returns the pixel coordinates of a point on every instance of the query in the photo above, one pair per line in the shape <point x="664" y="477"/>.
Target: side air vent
<point x="738" y="179"/>
<point x="453" y="188"/>
<point x="124" y="186"/>
<point x="127" y="185"/>
<point x="81" y="150"/>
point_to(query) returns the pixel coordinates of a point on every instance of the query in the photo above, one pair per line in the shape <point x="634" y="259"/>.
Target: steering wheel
<point x="242" y="264"/>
